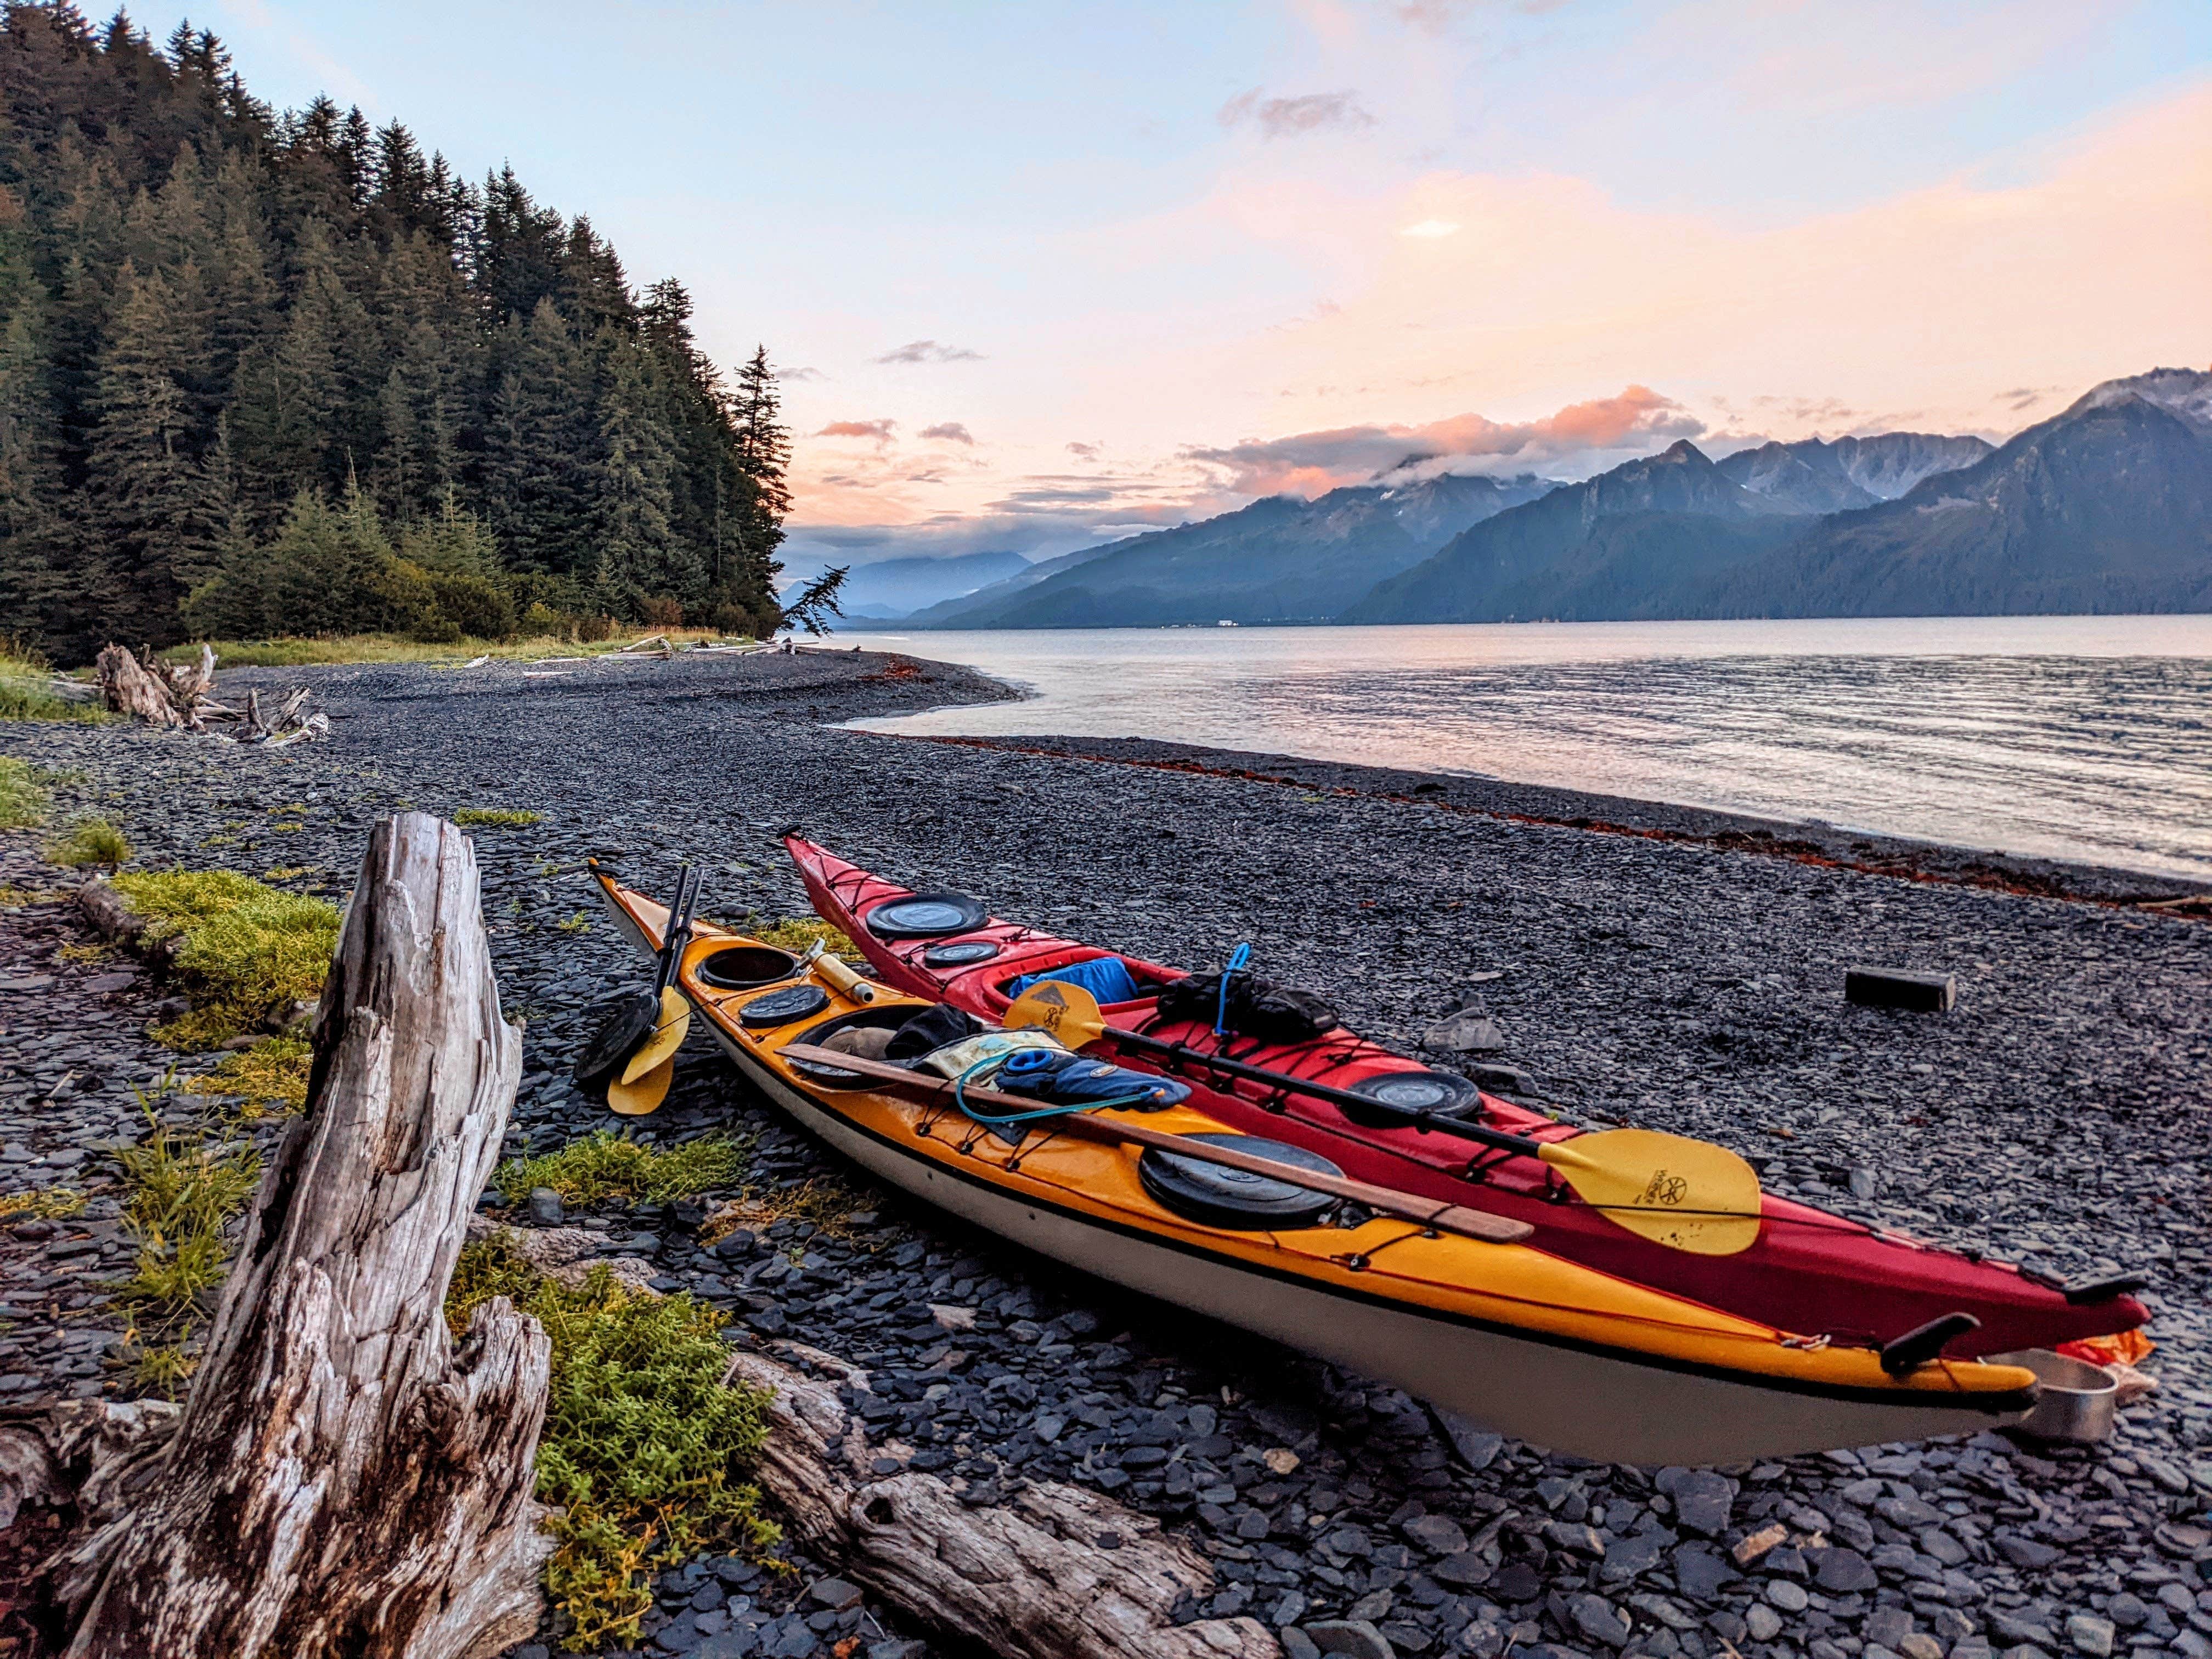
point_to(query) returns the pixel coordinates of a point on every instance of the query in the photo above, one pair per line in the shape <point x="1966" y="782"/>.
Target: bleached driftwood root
<point x="183" y="694"/>
<point x="1028" y="1579"/>
<point x="341" y="1479"/>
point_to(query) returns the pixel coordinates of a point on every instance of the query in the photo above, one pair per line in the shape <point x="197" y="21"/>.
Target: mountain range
<point x="2106" y="506"/>
<point x="1282" y="559"/>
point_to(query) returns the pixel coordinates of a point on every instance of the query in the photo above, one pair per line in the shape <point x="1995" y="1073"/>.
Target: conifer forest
<point x="266" y="373"/>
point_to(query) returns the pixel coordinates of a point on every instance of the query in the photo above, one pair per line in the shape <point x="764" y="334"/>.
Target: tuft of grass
<point x="270" y="1074"/>
<point x="184" y="1192"/>
<point x="164" y="1370"/>
<point x="90" y="841"/>
<point x="95" y="951"/>
<point x="798" y="935"/>
<point x="24" y="798"/>
<point x="605" y="1164"/>
<point x="27" y="694"/>
<point x="579" y="923"/>
<point x="643" y="1441"/>
<point x="247" y="948"/>
<point x="496" y="818"/>
<point x="13" y="897"/>
<point x="42" y="1204"/>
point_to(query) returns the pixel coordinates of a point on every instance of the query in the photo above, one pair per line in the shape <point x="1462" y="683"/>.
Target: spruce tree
<point x="151" y="506"/>
<point x="640" y="557"/>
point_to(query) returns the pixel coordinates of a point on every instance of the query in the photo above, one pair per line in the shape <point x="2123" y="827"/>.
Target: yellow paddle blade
<point x="1688" y="1195"/>
<point x="669" y="1030"/>
<point x="644" y="1096"/>
<point x="1067" y="1012"/>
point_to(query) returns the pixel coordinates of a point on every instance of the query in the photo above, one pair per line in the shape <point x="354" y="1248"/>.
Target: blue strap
<point x="1238" y="958"/>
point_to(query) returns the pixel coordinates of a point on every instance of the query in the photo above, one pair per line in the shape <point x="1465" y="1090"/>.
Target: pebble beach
<point x="1638" y="964"/>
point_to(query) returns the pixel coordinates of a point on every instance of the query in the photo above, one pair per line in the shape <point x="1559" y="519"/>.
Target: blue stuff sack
<point x="1107" y="978"/>
<point x="1070" y="1079"/>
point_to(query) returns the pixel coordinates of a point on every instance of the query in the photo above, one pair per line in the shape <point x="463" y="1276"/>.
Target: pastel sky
<point x="1038" y="274"/>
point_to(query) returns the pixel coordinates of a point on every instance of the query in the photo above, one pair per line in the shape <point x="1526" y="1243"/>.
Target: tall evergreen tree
<point x="640" y="556"/>
<point x="155" y="510"/>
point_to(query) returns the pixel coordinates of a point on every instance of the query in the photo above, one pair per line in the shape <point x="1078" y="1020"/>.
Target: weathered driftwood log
<point x="1029" y="1578"/>
<point x="341" y="1480"/>
<point x="128" y="689"/>
<point x="115" y="920"/>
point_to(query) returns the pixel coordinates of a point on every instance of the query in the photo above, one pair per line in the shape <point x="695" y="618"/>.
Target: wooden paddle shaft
<point x="1405" y="1206"/>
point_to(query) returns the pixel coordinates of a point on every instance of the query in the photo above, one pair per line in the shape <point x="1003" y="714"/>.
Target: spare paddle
<point x="1384" y="1201"/>
<point x="635" y="1099"/>
<point x="1688" y="1195"/>
<point x="632" y="1020"/>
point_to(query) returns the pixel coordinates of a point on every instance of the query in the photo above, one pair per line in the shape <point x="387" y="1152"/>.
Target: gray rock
<point x="544" y="1208"/>
<point x="1888" y="1626"/>
<point x="2127" y="1610"/>
<point x="2011" y="1628"/>
<point x="1469" y="1031"/>
<point x="1599" y="1619"/>
<point x="2089" y="1634"/>
<point x="1787" y="1595"/>
<point x="1639" y="1552"/>
<point x="1439" y="1535"/>
<point x="1356" y="1638"/>
<point x="1478" y="1447"/>
<point x="1762" y="1621"/>
<point x="1703" y="1499"/>
<point x="836" y="1594"/>
<point x="1842" y="1571"/>
<point x="1700" y="1571"/>
<point x="1919" y="1644"/>
<point x="1297" y="1645"/>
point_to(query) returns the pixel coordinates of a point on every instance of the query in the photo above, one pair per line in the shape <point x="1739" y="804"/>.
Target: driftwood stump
<point x="341" y="1480"/>
<point x="128" y="689"/>
<point x="1027" y="1579"/>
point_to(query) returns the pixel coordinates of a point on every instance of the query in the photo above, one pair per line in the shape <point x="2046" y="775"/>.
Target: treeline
<point x="264" y="374"/>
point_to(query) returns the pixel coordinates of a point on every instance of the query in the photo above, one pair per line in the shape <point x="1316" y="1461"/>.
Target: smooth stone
<point x="1355" y="1638"/>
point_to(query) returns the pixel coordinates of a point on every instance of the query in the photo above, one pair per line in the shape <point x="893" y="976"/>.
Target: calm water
<point x="2087" y="737"/>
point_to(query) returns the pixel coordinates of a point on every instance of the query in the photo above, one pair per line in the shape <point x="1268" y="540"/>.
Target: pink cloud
<point x="951" y="432"/>
<point x="876" y="431"/>
<point x="1636" y="420"/>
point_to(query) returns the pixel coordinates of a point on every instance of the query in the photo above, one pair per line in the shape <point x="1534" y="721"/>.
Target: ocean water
<point x="2081" y="737"/>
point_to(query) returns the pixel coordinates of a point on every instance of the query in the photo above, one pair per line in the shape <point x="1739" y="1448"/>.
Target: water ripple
<point x="2086" y="738"/>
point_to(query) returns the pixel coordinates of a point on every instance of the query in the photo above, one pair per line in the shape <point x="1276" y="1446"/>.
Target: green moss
<point x="643" y="1442"/>
<point x="90" y="841"/>
<point x="799" y="934"/>
<point x="273" y="1074"/>
<point x="46" y="1203"/>
<point x="606" y="1166"/>
<point x="23" y="795"/>
<point x="495" y="818"/>
<point x="247" y="948"/>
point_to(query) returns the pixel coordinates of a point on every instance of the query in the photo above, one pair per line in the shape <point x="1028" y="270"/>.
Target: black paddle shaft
<point x="1497" y="1138"/>
<point x="679" y="929"/>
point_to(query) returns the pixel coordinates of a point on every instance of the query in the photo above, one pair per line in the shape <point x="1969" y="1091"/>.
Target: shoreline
<point x="1806" y="841"/>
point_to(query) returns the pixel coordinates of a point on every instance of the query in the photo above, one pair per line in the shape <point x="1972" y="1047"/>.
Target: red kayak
<point x="1810" y="1271"/>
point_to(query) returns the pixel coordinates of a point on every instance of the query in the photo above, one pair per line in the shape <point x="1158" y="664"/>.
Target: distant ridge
<point x="1280" y="559"/>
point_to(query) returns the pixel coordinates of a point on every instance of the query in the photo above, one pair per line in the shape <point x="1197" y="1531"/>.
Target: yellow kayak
<point x="1530" y="1344"/>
